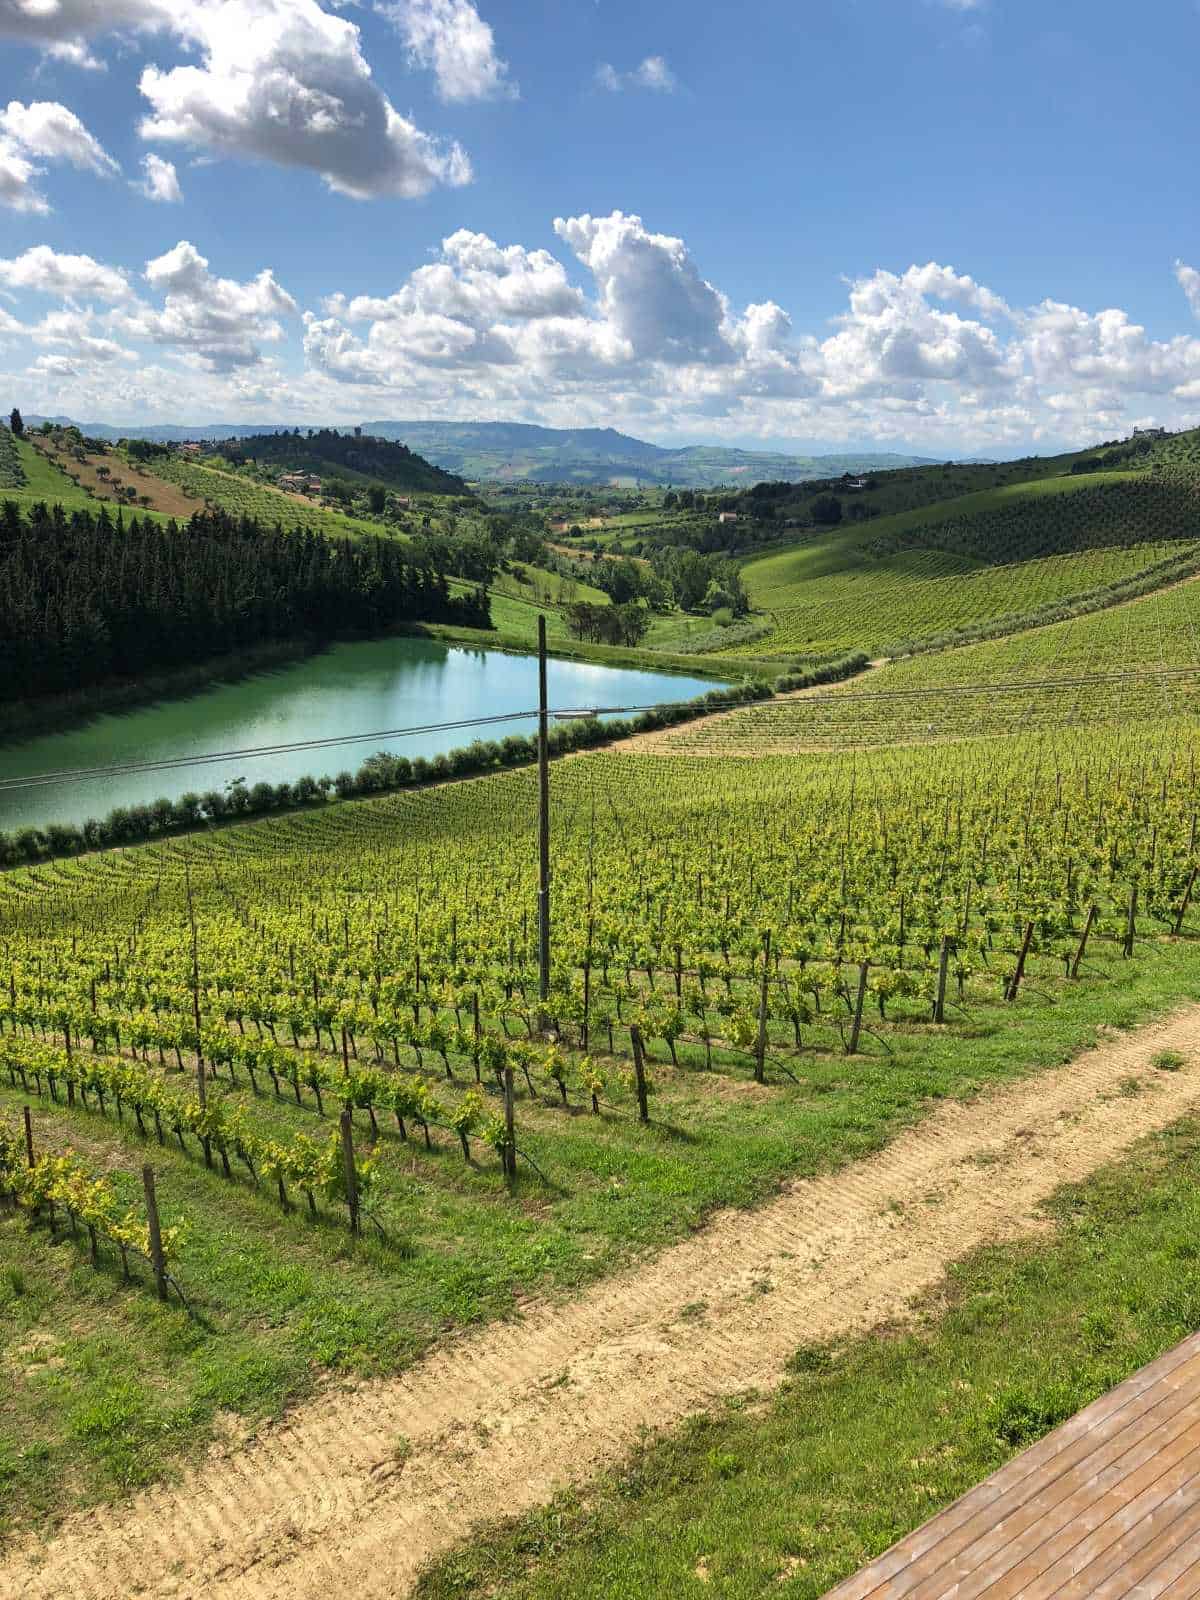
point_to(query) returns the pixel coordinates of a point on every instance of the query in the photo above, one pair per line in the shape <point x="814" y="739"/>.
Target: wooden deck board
<point x="1107" y="1507"/>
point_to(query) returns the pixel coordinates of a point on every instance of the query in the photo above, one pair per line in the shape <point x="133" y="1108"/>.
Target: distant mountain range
<point x="508" y="452"/>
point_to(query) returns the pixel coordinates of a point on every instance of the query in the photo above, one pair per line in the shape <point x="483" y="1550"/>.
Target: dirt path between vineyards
<point x="354" y="1491"/>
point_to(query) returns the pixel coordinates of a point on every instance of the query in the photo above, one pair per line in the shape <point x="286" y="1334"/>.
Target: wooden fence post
<point x="859" y="1001"/>
<point x="1083" y="939"/>
<point x="1014" y="983"/>
<point x="347" y="1125"/>
<point x="760" y="1048"/>
<point x="156" y="1249"/>
<point x="939" y="1004"/>
<point x="639" y="1072"/>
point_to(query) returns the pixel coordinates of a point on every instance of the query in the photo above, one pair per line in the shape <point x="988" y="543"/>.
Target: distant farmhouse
<point x="1149" y="433"/>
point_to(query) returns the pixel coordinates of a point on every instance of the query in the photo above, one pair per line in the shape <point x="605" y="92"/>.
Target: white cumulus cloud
<point x="217" y="323"/>
<point x="72" y="331"/>
<point x="41" y="270"/>
<point x="49" y="130"/>
<point x="450" y="39"/>
<point x="75" y="53"/>
<point x="160" y="181"/>
<point x="649" y="289"/>
<point x="43" y="131"/>
<point x="284" y="81"/>
<point x="616" y="323"/>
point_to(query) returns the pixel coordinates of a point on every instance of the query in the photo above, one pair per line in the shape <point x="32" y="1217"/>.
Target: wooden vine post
<point x="510" y="1132"/>
<point x="1014" y="983"/>
<point x="1185" y="903"/>
<point x="760" y="1048"/>
<point x="939" y="1004"/>
<point x="859" y="1001"/>
<point x="347" y="1126"/>
<point x="639" y="1073"/>
<point x="1083" y="941"/>
<point x="1130" y="923"/>
<point x="157" y="1260"/>
<point x="29" y="1136"/>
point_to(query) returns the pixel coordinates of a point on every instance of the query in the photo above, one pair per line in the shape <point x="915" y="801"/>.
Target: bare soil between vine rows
<point x="353" y="1492"/>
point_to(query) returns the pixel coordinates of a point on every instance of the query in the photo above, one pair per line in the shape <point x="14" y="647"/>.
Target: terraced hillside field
<point x="383" y="954"/>
<point x="972" y="562"/>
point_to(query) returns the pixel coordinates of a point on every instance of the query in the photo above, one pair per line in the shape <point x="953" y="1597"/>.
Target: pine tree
<point x="16" y="425"/>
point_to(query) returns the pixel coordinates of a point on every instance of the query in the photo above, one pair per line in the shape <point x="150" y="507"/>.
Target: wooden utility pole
<point x="543" y="824"/>
<point x="201" y="1074"/>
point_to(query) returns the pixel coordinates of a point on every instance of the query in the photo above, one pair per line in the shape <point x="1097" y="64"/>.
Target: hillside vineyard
<point x="389" y="950"/>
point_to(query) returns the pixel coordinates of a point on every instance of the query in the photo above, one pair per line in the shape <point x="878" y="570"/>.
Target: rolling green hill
<point x="507" y="451"/>
<point x="345" y="455"/>
<point x="926" y="575"/>
<point x="1138" y="662"/>
<point x="883" y="493"/>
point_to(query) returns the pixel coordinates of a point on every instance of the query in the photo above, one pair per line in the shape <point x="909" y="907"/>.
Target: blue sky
<point x="935" y="224"/>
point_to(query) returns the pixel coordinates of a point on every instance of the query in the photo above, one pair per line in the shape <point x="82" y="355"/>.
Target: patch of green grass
<point x="1168" y="1060"/>
<point x="869" y="1439"/>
